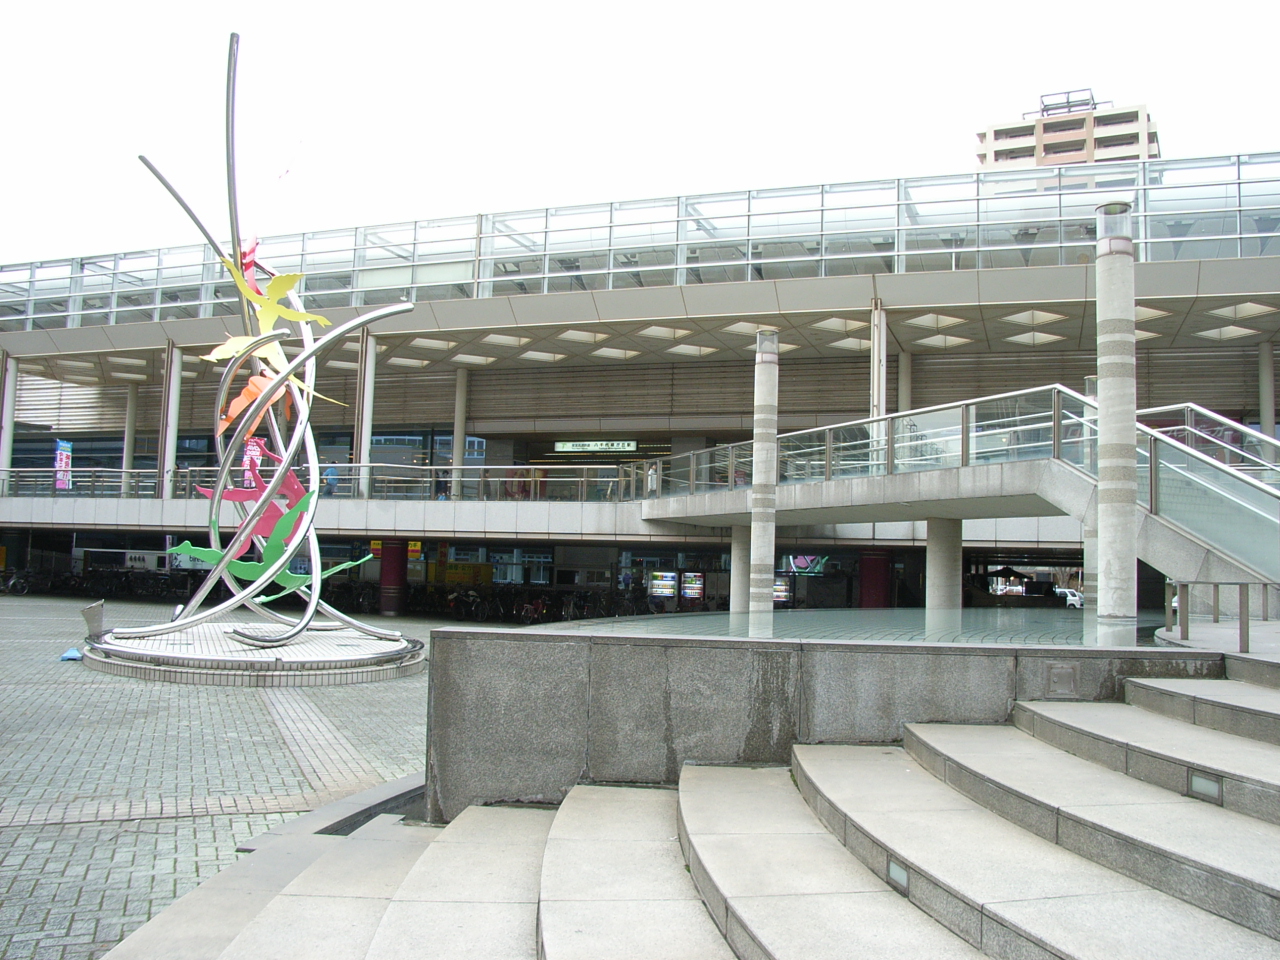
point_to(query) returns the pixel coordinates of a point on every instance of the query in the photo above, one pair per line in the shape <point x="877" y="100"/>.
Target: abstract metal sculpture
<point x="280" y="393"/>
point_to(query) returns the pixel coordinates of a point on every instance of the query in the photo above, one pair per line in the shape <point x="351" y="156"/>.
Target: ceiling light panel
<point x="749" y="329"/>
<point x="32" y="368"/>
<point x="1145" y="334"/>
<point x="1034" y="318"/>
<point x="407" y="362"/>
<point x="663" y="333"/>
<point x="943" y="342"/>
<point x="503" y="340"/>
<point x="1229" y="332"/>
<point x="841" y="325"/>
<point x="613" y="353"/>
<point x="852" y="343"/>
<point x="425" y="343"/>
<point x="1141" y="313"/>
<point x="1243" y="311"/>
<point x="690" y="350"/>
<point x="121" y="375"/>
<point x="782" y="347"/>
<point x="582" y="336"/>
<point x="542" y="356"/>
<point x="472" y="358"/>
<point x="354" y="346"/>
<point x="192" y="374"/>
<point x="342" y="365"/>
<point x="191" y="358"/>
<point x="77" y="378"/>
<point x="935" y="321"/>
<point x="77" y="364"/>
<point x="128" y="361"/>
<point x="1035" y="338"/>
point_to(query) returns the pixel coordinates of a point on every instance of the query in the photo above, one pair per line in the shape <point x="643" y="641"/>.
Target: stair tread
<point x="614" y="882"/>
<point x="1230" y="693"/>
<point x="1202" y="747"/>
<point x="473" y="892"/>
<point x="780" y="885"/>
<point x="1009" y="878"/>
<point x="1192" y="831"/>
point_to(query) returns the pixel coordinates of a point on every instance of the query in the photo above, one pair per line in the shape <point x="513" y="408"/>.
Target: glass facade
<point x="1183" y="210"/>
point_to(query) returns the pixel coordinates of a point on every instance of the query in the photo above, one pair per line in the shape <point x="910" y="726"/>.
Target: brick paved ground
<point x="118" y="796"/>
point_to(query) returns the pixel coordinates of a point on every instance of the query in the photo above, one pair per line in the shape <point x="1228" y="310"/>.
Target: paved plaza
<point x="118" y="796"/>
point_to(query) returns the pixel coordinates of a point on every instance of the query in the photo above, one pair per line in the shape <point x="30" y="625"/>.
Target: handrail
<point x="1239" y="475"/>
<point x="1217" y="442"/>
<point x="1244" y="429"/>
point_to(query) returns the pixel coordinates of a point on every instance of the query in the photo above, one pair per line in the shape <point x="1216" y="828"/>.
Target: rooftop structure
<point x="1070" y="127"/>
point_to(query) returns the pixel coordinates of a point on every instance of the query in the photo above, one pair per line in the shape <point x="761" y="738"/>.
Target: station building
<point x="563" y="343"/>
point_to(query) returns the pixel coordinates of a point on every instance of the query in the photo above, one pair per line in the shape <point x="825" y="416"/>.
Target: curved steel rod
<point x="247" y="417"/>
<point x="208" y="237"/>
<point x="233" y="53"/>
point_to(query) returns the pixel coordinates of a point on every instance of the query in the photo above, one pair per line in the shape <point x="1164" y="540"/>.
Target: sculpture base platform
<point x="207" y="655"/>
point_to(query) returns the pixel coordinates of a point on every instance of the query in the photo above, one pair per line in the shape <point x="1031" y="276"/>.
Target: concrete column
<point x="943" y="577"/>
<point x="459" y="431"/>
<point x="764" y="484"/>
<point x="1089" y="585"/>
<point x="167" y="464"/>
<point x="1267" y="389"/>
<point x="1117" y="412"/>
<point x="879" y="360"/>
<point x="740" y="571"/>
<point x="393" y="577"/>
<point x="130" y="437"/>
<point x="366" y="378"/>
<point x="904" y="381"/>
<point x="8" y="405"/>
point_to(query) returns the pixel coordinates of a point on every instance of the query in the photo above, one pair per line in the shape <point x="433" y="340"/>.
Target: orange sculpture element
<point x="255" y="388"/>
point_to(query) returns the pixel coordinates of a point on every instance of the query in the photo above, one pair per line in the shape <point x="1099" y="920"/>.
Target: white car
<point x="1074" y="598"/>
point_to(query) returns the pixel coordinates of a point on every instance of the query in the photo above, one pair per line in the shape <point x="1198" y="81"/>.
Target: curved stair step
<point x="780" y="886"/>
<point x="1002" y="888"/>
<point x="332" y="908"/>
<point x="1243" y="709"/>
<point x="473" y="894"/>
<point x="614" y="883"/>
<point x="1161" y="750"/>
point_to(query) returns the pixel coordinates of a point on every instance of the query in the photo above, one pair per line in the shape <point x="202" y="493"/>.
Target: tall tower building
<point x="1069" y="127"/>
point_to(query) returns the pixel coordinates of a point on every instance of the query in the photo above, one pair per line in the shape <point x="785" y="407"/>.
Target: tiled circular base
<point x="206" y="654"/>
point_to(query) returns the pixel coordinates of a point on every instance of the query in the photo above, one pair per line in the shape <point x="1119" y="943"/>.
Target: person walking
<point x="651" y="481"/>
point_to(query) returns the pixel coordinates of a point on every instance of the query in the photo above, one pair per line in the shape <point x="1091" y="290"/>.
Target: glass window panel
<point x="594" y="238"/>
<point x="924" y="214"/>
<point x="135" y="298"/>
<point x="1032" y="207"/>
<point x="874" y="194"/>
<point x="925" y="263"/>
<point x="94" y="319"/>
<point x="1191" y="171"/>
<point x="642" y="268"/>
<point x="1020" y="234"/>
<point x="51" y="305"/>
<point x="786" y="201"/>
<point x="786" y="269"/>
<point x="373" y="298"/>
<point x="945" y="239"/>
<point x="579" y="218"/>
<point x="861" y="218"/>
<point x="49" y="322"/>
<point x="452" y="291"/>
<point x="1190" y="226"/>
<point x="567" y="283"/>
<point x="386" y="277"/>
<point x="1019" y="182"/>
<point x="578" y="262"/>
<point x="1191" y="249"/>
<point x="1204" y="197"/>
<point x="786" y="224"/>
<point x="715" y="205"/>
<point x="9" y="323"/>
<point x="461" y="272"/>
<point x="938" y="189"/>
<point x="860" y="266"/>
<point x="134" y="316"/>
<point x="721" y="228"/>
<point x="715" y="263"/>
<point x="645" y="211"/>
<point x="13" y="308"/>
<point x="447" y="250"/>
<point x="878" y="245"/>
<point x="639" y="234"/>
<point x="452" y="229"/>
<point x="139" y="271"/>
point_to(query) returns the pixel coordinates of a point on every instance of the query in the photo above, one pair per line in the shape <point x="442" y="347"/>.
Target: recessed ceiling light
<point x="613" y="353"/>
<point x="690" y="350"/>
<point x="852" y="343"/>
<point x="424" y="343"/>
<point x="191" y="358"/>
<point x="782" y="347"/>
<point x="943" y="342"/>
<point x="663" y="333"/>
<point x="1034" y="338"/>
<point x="542" y="356"/>
<point x="128" y="361"/>
<point x="841" y="325"/>
<point x="81" y="379"/>
<point x="408" y="362"/>
<point x="342" y="365"/>
<point x="1145" y="334"/>
<point x="190" y="374"/>
<point x="119" y="375"/>
<point x="503" y="340"/>
<point x="1034" y="318"/>
<point x="935" y="321"/>
<point x="31" y="368"/>
<point x="582" y="336"/>
<point x="1229" y="332"/>
<point x="1148" y="313"/>
<point x="77" y="364"/>
<point x="749" y="329"/>
<point x="354" y="346"/>
<point x="472" y="358"/>
<point x="1243" y="311"/>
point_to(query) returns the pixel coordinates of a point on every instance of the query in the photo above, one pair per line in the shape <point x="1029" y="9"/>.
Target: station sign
<point x="595" y="446"/>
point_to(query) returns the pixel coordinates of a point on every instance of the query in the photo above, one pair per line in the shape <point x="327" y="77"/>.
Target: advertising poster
<point x="252" y="456"/>
<point x="415" y="549"/>
<point x="62" y="465"/>
<point x="375" y="547"/>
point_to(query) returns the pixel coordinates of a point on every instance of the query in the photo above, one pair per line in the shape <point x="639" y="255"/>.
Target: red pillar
<point x="394" y="577"/>
<point x="875" y="569"/>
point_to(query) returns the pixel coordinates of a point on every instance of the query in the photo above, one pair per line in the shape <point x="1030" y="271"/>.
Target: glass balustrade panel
<point x="1078" y="432"/>
<point x="859" y="450"/>
<point x="802" y="458"/>
<point x="927" y="441"/>
<point x="1012" y="428"/>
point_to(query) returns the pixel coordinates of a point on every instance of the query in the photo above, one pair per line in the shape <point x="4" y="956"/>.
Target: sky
<point x="383" y="112"/>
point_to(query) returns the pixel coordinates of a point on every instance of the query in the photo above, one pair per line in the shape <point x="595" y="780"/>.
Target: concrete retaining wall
<point x="516" y="716"/>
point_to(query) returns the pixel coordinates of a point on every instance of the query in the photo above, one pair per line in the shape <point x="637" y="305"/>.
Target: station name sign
<point x="595" y="446"/>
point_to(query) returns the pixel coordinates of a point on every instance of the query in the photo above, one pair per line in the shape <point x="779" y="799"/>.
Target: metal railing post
<point x="1057" y="424"/>
<point x="1216" y="592"/>
<point x="1244" y="617"/>
<point x="965" y="417"/>
<point x="888" y="445"/>
<point x="1153" y="488"/>
<point x="1168" y="606"/>
<point x="827" y="471"/>
<point x="1184" y="612"/>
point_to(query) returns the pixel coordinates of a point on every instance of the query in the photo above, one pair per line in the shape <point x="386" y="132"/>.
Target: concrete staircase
<point x="1082" y="831"/>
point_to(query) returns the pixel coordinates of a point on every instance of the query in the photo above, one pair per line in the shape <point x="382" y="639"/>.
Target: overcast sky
<point x="378" y="112"/>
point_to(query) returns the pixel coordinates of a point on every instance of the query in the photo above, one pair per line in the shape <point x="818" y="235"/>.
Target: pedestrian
<point x="651" y="483"/>
<point x="330" y="477"/>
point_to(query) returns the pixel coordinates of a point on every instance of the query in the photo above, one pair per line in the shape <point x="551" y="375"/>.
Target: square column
<point x="171" y="400"/>
<point x="943" y="577"/>
<point x="740" y="570"/>
<point x="362" y="446"/>
<point x="459" y="431"/>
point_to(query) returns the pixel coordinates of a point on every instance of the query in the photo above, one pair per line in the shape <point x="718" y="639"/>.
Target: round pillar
<point x="394" y="577"/>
